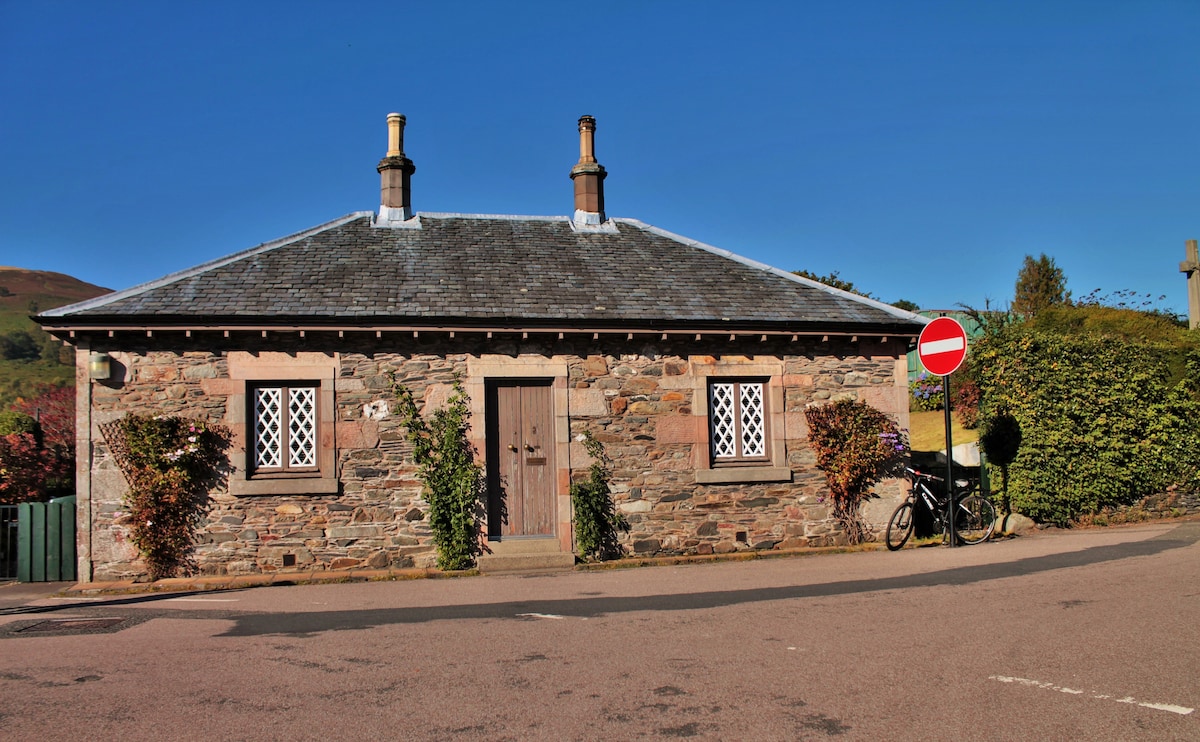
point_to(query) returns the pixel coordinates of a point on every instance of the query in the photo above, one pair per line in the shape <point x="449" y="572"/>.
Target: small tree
<point x="53" y="408"/>
<point x="597" y="522"/>
<point x="1040" y="284"/>
<point x="856" y="446"/>
<point x="170" y="464"/>
<point x="19" y="345"/>
<point x="454" y="481"/>
<point x="834" y="280"/>
<point x="26" y="469"/>
<point x="37" y="447"/>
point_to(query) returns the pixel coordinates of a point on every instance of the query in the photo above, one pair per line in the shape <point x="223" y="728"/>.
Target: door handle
<point x="511" y="447"/>
<point x="529" y="448"/>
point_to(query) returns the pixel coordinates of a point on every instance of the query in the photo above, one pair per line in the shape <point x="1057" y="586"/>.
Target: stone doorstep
<point x="524" y="555"/>
<point x="543" y="562"/>
<point x="514" y="546"/>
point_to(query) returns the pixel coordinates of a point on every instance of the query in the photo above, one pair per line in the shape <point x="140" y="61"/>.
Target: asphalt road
<point x="1078" y="635"/>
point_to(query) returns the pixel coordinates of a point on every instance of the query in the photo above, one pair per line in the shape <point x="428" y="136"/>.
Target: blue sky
<point x="920" y="149"/>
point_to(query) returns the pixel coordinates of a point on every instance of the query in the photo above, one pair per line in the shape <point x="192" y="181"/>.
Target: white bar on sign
<point x="942" y="346"/>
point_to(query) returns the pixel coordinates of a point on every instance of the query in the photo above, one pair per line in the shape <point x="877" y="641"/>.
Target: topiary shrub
<point x="598" y="524"/>
<point x="856" y="446"/>
<point x="454" y="481"/>
<point x="170" y="463"/>
<point x="1001" y="441"/>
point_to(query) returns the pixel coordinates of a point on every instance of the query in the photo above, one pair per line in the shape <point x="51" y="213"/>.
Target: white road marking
<point x="945" y="345"/>
<point x="202" y="600"/>
<point x="1181" y="710"/>
<point x="542" y="615"/>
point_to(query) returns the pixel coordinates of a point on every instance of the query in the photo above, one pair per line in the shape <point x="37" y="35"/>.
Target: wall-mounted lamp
<point x="99" y="366"/>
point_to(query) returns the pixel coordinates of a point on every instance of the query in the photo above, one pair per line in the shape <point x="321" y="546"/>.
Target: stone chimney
<point x="395" y="174"/>
<point x="589" y="176"/>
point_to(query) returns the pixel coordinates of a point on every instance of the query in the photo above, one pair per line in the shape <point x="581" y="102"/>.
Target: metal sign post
<point x="949" y="462"/>
<point x="942" y="348"/>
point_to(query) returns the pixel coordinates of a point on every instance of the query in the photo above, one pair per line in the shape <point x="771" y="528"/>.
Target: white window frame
<point x="284" y="432"/>
<point x="738" y="421"/>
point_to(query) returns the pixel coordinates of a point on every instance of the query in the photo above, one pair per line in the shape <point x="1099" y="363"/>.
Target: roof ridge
<point x="751" y="263"/>
<point x="170" y="278"/>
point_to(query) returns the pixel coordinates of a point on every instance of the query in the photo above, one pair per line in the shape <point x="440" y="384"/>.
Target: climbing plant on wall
<point x="170" y="463"/>
<point x="454" y="480"/>
<point x="856" y="446"/>
<point x="598" y="524"/>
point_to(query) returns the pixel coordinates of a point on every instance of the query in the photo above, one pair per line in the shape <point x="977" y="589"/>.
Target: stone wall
<point x="639" y="398"/>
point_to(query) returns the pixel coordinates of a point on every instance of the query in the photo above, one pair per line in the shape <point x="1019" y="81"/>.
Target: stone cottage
<point x="691" y="364"/>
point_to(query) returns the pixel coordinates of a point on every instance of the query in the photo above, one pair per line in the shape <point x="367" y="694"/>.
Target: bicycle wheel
<point x="974" y="519"/>
<point x="900" y="526"/>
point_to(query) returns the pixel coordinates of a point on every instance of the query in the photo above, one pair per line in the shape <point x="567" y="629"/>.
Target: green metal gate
<point x="46" y="540"/>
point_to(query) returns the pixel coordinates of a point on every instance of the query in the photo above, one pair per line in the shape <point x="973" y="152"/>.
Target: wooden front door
<point x="520" y="456"/>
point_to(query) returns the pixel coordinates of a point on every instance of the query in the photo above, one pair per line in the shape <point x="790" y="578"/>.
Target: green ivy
<point x="171" y="464"/>
<point x="597" y="521"/>
<point x="857" y="445"/>
<point x="454" y="481"/>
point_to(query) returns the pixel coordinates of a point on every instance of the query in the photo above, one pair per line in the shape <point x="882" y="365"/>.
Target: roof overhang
<point x="72" y="328"/>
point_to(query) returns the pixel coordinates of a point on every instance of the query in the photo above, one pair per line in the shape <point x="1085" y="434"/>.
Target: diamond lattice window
<point x="285" y="428"/>
<point x="737" y="420"/>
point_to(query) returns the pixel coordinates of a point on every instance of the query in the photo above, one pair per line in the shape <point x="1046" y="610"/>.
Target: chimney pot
<point x="396" y="123"/>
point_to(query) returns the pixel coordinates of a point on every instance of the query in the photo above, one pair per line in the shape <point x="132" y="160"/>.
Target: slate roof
<point x="488" y="271"/>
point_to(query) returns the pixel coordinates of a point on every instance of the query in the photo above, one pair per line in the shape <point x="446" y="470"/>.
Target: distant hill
<point x="25" y="292"/>
<point x="29" y="358"/>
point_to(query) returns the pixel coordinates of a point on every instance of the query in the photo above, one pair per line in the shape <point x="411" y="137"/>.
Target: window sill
<point x="737" y="474"/>
<point x="287" y="486"/>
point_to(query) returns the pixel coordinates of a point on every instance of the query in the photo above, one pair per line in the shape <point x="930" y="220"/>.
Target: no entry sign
<point x="942" y="346"/>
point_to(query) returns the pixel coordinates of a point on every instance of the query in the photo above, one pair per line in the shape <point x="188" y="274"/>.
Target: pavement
<point x="17" y="594"/>
<point x="1032" y="544"/>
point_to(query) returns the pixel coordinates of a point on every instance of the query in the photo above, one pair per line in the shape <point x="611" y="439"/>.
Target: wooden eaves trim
<point x="67" y="332"/>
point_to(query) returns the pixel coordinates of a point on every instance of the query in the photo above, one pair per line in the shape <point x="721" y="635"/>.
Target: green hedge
<point x="1105" y="419"/>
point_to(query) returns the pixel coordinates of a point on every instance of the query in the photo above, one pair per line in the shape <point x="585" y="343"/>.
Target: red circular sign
<point x="942" y="346"/>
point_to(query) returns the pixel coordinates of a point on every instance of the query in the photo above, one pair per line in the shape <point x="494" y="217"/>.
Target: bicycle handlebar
<point x="963" y="485"/>
<point x="916" y="473"/>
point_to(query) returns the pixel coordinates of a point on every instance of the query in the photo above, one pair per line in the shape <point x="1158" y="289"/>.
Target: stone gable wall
<point x="638" y="398"/>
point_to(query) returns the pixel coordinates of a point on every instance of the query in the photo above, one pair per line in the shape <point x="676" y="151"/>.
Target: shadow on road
<point x="311" y="624"/>
<point x="132" y="600"/>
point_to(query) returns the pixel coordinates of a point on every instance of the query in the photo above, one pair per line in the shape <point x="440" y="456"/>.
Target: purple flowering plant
<point x="926" y="392"/>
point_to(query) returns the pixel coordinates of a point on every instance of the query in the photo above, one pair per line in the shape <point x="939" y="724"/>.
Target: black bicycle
<point x="974" y="516"/>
